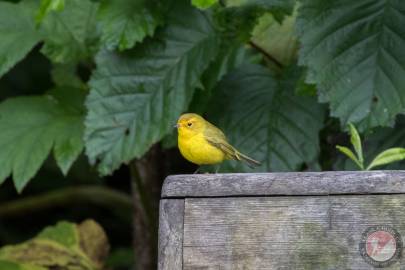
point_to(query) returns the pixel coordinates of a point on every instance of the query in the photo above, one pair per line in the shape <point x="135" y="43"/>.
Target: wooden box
<point x="327" y="220"/>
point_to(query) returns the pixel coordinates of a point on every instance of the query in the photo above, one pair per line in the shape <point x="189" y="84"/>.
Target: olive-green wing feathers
<point x="217" y="138"/>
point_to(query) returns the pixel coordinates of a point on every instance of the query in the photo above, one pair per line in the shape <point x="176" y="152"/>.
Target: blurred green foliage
<point x="64" y="246"/>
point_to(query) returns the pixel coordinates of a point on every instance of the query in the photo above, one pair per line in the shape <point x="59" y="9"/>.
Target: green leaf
<point x="126" y="22"/>
<point x="350" y="155"/>
<point x="236" y="24"/>
<point x="137" y="96"/>
<point x="378" y="141"/>
<point x="48" y="6"/>
<point x="203" y="4"/>
<point x="303" y="88"/>
<point x="66" y="75"/>
<point x="228" y="59"/>
<point x="237" y="20"/>
<point x="279" y="8"/>
<point x="388" y="156"/>
<point x="36" y="124"/>
<point x="71" y="35"/>
<point x="17" y="32"/>
<point x="354" y="51"/>
<point x="121" y="258"/>
<point x="356" y="142"/>
<point x="64" y="233"/>
<point x="169" y="141"/>
<point x="8" y="265"/>
<point x="65" y="246"/>
<point x="278" y="40"/>
<point x="265" y="120"/>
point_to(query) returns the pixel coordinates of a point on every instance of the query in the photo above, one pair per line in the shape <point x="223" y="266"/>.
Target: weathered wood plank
<point x="301" y="232"/>
<point x="269" y="184"/>
<point x="171" y="235"/>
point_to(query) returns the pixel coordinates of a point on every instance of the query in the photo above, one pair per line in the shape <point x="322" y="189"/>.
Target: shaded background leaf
<point x="278" y="129"/>
<point x="279" y="8"/>
<point x="48" y="6"/>
<point x="67" y="75"/>
<point x="238" y="18"/>
<point x="228" y="59"/>
<point x="277" y="39"/>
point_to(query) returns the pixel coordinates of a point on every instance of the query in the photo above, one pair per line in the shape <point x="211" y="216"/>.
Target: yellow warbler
<point x="202" y="143"/>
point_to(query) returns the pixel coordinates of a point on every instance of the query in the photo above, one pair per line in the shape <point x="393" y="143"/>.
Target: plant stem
<point x="268" y="56"/>
<point x="98" y="195"/>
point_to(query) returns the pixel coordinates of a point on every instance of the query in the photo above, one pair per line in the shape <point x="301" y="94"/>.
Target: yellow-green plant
<point x="385" y="157"/>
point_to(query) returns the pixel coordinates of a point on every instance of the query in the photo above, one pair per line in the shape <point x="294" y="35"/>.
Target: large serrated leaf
<point x="137" y="96"/>
<point x="17" y="32"/>
<point x="265" y="120"/>
<point x="354" y="51"/>
<point x="71" y="35"/>
<point x="126" y="22"/>
<point x="31" y="126"/>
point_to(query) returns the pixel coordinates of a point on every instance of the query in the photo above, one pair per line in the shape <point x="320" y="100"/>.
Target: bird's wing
<point x="216" y="138"/>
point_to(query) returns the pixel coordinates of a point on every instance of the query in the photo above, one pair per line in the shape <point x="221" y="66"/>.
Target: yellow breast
<point x="197" y="150"/>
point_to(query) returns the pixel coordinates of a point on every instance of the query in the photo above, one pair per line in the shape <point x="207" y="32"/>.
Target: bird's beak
<point x="176" y="126"/>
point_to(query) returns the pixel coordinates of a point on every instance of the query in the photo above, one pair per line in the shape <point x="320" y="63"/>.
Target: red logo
<point x="381" y="245"/>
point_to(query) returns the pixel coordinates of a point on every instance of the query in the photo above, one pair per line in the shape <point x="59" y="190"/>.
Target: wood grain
<point x="275" y="184"/>
<point x="299" y="232"/>
<point x="171" y="218"/>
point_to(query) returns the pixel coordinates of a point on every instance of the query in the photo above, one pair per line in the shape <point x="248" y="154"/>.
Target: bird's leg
<point x="217" y="168"/>
<point x="196" y="171"/>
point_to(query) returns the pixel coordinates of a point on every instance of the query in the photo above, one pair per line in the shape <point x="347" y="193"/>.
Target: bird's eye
<point x="189" y="124"/>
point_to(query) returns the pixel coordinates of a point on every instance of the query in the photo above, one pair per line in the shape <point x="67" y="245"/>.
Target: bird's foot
<point x="196" y="171"/>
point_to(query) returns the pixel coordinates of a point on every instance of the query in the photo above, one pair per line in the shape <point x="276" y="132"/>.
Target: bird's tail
<point x="250" y="161"/>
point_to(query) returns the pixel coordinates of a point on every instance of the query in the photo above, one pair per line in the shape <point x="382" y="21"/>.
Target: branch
<point x="147" y="175"/>
<point x="268" y="56"/>
<point x="97" y="195"/>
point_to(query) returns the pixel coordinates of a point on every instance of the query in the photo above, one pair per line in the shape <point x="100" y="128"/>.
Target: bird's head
<point x="190" y="124"/>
